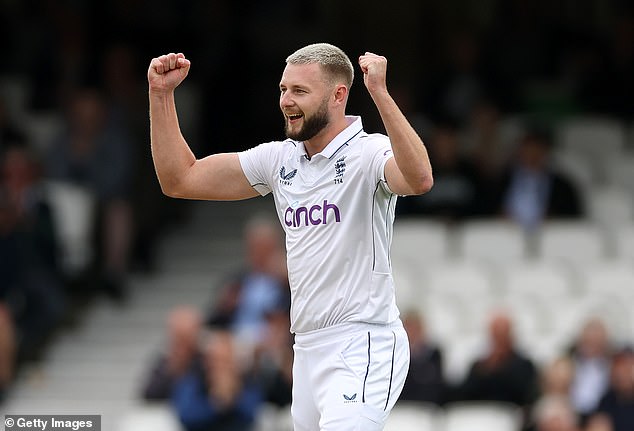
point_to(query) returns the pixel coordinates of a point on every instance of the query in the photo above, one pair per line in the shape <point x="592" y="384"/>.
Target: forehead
<point x="303" y="74"/>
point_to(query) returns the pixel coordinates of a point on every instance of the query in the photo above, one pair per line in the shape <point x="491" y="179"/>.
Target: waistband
<point x="336" y="332"/>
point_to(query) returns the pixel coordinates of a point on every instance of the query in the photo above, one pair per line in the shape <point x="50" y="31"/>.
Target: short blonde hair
<point x="333" y="60"/>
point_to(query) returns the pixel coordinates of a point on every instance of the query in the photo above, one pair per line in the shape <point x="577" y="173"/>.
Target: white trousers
<point x="348" y="377"/>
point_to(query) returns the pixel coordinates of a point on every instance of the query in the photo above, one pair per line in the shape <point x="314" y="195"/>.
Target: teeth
<point x="294" y="116"/>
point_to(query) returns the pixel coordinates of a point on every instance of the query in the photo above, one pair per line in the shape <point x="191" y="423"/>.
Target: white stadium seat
<point x="624" y="243"/>
<point x="609" y="206"/>
<point x="492" y="241"/>
<point x="482" y="416"/>
<point x="414" y="416"/>
<point x="594" y="138"/>
<point x="460" y="278"/>
<point x="420" y="241"/>
<point x="574" y="243"/>
<point x="150" y="417"/>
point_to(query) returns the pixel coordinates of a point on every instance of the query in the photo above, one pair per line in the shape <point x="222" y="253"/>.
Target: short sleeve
<point x="377" y="151"/>
<point x="256" y="164"/>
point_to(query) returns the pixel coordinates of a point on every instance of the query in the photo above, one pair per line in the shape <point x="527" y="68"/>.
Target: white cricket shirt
<point x="337" y="212"/>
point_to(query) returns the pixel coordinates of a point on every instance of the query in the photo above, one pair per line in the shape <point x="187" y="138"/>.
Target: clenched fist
<point x="167" y="72"/>
<point x="374" y="68"/>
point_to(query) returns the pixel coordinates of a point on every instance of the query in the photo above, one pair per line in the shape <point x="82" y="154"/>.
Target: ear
<point x="340" y="94"/>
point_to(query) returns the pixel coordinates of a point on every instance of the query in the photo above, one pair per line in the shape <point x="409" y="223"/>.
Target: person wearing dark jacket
<point x="532" y="189"/>
<point x="503" y="373"/>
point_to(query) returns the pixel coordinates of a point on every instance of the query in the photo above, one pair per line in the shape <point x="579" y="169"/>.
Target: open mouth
<point x="294" y="117"/>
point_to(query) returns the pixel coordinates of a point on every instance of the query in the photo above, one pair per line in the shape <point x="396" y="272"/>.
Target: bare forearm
<point x="170" y="152"/>
<point x="410" y="153"/>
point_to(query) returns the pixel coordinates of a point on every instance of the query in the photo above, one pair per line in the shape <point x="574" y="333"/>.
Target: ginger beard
<point x="311" y="125"/>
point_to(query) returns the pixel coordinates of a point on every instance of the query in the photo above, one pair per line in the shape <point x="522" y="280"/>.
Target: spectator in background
<point x="503" y="373"/>
<point x="591" y="356"/>
<point x="453" y="194"/>
<point x="273" y="359"/>
<point x="555" y="414"/>
<point x="425" y="378"/>
<point x="599" y="422"/>
<point x="31" y="286"/>
<point x="95" y="152"/>
<point x="532" y="190"/>
<point x="488" y="155"/>
<point x="258" y="288"/>
<point x="127" y="109"/>
<point x="182" y="354"/>
<point x="617" y="403"/>
<point x="556" y="380"/>
<point x="219" y="396"/>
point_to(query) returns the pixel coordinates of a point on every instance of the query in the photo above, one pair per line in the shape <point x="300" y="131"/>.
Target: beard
<point x="312" y="125"/>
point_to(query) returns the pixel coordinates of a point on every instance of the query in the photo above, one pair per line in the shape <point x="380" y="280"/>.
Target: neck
<point x="320" y="141"/>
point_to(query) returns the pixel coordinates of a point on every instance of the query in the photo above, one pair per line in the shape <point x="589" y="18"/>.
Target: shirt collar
<point x="355" y="126"/>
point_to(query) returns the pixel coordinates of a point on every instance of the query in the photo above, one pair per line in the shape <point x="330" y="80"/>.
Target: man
<point x="335" y="189"/>
<point x="425" y="378"/>
<point x="617" y="402"/>
<point x="503" y="373"/>
<point x="532" y="190"/>
<point x="258" y="288"/>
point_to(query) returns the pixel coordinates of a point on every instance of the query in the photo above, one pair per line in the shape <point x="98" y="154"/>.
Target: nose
<point x="286" y="99"/>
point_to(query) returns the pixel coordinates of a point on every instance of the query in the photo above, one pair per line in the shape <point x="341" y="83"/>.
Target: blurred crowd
<point x="589" y="386"/>
<point x="223" y="364"/>
<point x="80" y="208"/>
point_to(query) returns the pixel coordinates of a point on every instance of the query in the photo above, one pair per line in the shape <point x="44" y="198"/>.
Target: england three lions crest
<point x="340" y="169"/>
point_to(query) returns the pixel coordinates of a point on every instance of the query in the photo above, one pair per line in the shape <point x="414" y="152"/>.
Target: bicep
<point x="216" y="177"/>
<point x="395" y="179"/>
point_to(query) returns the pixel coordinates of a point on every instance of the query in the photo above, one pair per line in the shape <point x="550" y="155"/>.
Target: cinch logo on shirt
<point x="316" y="214"/>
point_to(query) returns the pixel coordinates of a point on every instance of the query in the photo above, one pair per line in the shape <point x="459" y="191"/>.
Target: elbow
<point x="170" y="190"/>
<point x="423" y="185"/>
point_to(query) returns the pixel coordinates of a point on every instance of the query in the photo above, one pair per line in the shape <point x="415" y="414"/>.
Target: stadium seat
<point x="538" y="278"/>
<point x="611" y="205"/>
<point x="414" y="416"/>
<point x="624" y="243"/>
<point x="610" y="279"/>
<point x="273" y="418"/>
<point x="492" y="241"/>
<point x="482" y="416"/>
<point x="459" y="278"/>
<point x="459" y="353"/>
<point x="151" y="417"/>
<point x="621" y="172"/>
<point x="417" y="241"/>
<point x="594" y="138"/>
<point x="576" y="167"/>
<point x="574" y="243"/>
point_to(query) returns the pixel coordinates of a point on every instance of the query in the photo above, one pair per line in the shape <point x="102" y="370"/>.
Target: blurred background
<point x="516" y="271"/>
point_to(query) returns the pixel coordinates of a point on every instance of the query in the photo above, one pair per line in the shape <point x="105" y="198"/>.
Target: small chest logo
<point x="347" y="399"/>
<point x="340" y="169"/>
<point x="286" y="178"/>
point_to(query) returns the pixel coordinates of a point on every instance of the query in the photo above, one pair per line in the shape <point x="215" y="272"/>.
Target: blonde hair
<point x="333" y="61"/>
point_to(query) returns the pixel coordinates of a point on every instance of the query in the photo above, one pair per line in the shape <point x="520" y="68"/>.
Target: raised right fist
<point x="167" y="71"/>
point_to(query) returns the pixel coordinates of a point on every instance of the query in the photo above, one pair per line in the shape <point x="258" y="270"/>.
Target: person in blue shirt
<point x="219" y="396"/>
